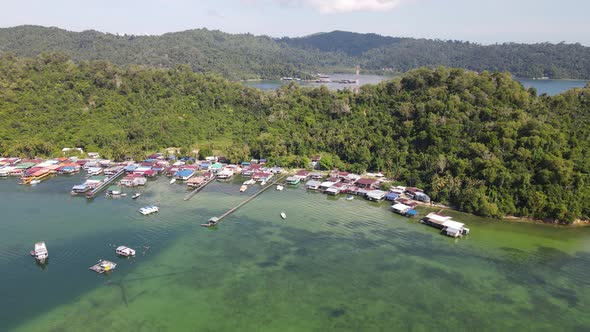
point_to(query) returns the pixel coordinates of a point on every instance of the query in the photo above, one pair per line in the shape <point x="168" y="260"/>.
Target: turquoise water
<point x="332" y="265"/>
<point x="550" y="87"/>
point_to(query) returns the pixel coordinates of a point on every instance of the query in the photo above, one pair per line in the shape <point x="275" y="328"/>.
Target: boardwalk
<point x="103" y="185"/>
<point x="232" y="210"/>
<point x="197" y="189"/>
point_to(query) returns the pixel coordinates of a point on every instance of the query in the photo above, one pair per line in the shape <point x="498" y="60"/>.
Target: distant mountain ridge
<point x="374" y="51"/>
<point x="350" y="43"/>
<point x="245" y="56"/>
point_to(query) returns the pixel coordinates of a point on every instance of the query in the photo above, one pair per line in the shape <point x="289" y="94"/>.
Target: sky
<point x="481" y="21"/>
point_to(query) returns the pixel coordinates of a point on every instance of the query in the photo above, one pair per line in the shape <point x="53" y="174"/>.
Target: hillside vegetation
<point x="240" y="56"/>
<point x="480" y="142"/>
<point x="244" y="56"/>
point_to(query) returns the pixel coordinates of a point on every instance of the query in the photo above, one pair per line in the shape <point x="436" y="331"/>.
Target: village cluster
<point x="102" y="174"/>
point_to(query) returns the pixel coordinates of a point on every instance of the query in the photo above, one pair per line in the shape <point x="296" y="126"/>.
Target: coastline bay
<point x="550" y="86"/>
<point x="331" y="265"/>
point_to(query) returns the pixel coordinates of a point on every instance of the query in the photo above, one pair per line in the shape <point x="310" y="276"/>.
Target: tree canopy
<point x="245" y="56"/>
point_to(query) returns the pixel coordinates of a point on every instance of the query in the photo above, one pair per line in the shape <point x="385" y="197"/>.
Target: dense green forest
<point x="245" y="56"/>
<point x="240" y="56"/>
<point x="373" y="51"/>
<point x="478" y="141"/>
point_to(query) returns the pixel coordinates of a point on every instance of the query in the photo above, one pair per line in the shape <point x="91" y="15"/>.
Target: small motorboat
<point x="173" y="180"/>
<point x="136" y="195"/>
<point x="148" y="210"/>
<point x="243" y="188"/>
<point x="283" y="215"/>
<point x="125" y="251"/>
<point x="40" y="252"/>
<point x="349" y="198"/>
<point x="280" y="187"/>
<point x="263" y="183"/>
<point x="251" y="181"/>
<point x="36" y="181"/>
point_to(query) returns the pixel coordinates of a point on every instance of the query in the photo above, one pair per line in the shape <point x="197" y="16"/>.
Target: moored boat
<point x="172" y="180"/>
<point x="36" y="181"/>
<point x="349" y="198"/>
<point x="40" y="252"/>
<point x="148" y="209"/>
<point x="135" y="195"/>
<point x="125" y="251"/>
<point x="243" y="188"/>
<point x="280" y="187"/>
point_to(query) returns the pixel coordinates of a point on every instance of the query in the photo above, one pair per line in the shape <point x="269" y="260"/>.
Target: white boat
<point x="173" y="180"/>
<point x="136" y="195"/>
<point x="36" y="181"/>
<point x="125" y="251"/>
<point x="243" y="188"/>
<point x="280" y="187"/>
<point x="249" y="182"/>
<point x="349" y="198"/>
<point x="283" y="215"/>
<point x="40" y="253"/>
<point x="148" y="210"/>
<point x="263" y="183"/>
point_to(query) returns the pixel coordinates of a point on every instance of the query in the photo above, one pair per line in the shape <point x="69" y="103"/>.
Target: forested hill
<point x="373" y="51"/>
<point x="243" y="56"/>
<point x="480" y="142"/>
<point x="235" y="56"/>
<point x="354" y="44"/>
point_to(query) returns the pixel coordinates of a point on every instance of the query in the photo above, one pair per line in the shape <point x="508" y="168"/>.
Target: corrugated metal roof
<point x="184" y="172"/>
<point x="313" y="183"/>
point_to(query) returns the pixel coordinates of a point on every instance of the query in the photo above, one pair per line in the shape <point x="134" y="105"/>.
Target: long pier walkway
<point x="232" y="210"/>
<point x="197" y="189"/>
<point x="112" y="178"/>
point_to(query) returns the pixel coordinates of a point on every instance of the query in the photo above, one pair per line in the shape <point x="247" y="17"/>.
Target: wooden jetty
<point x="93" y="192"/>
<point x="232" y="210"/>
<point x="197" y="189"/>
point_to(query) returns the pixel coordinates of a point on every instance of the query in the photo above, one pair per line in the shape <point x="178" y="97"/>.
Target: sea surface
<point x="550" y="87"/>
<point x="363" y="79"/>
<point x="331" y="265"/>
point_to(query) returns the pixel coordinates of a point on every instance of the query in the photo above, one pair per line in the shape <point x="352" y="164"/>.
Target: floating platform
<point x="103" y="266"/>
<point x="212" y="222"/>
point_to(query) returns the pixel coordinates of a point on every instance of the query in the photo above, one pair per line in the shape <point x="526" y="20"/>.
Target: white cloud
<point x="344" y="6"/>
<point x="334" y="6"/>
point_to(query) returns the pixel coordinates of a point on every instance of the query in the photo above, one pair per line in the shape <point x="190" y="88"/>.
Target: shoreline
<point x="509" y="219"/>
<point x="513" y="219"/>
